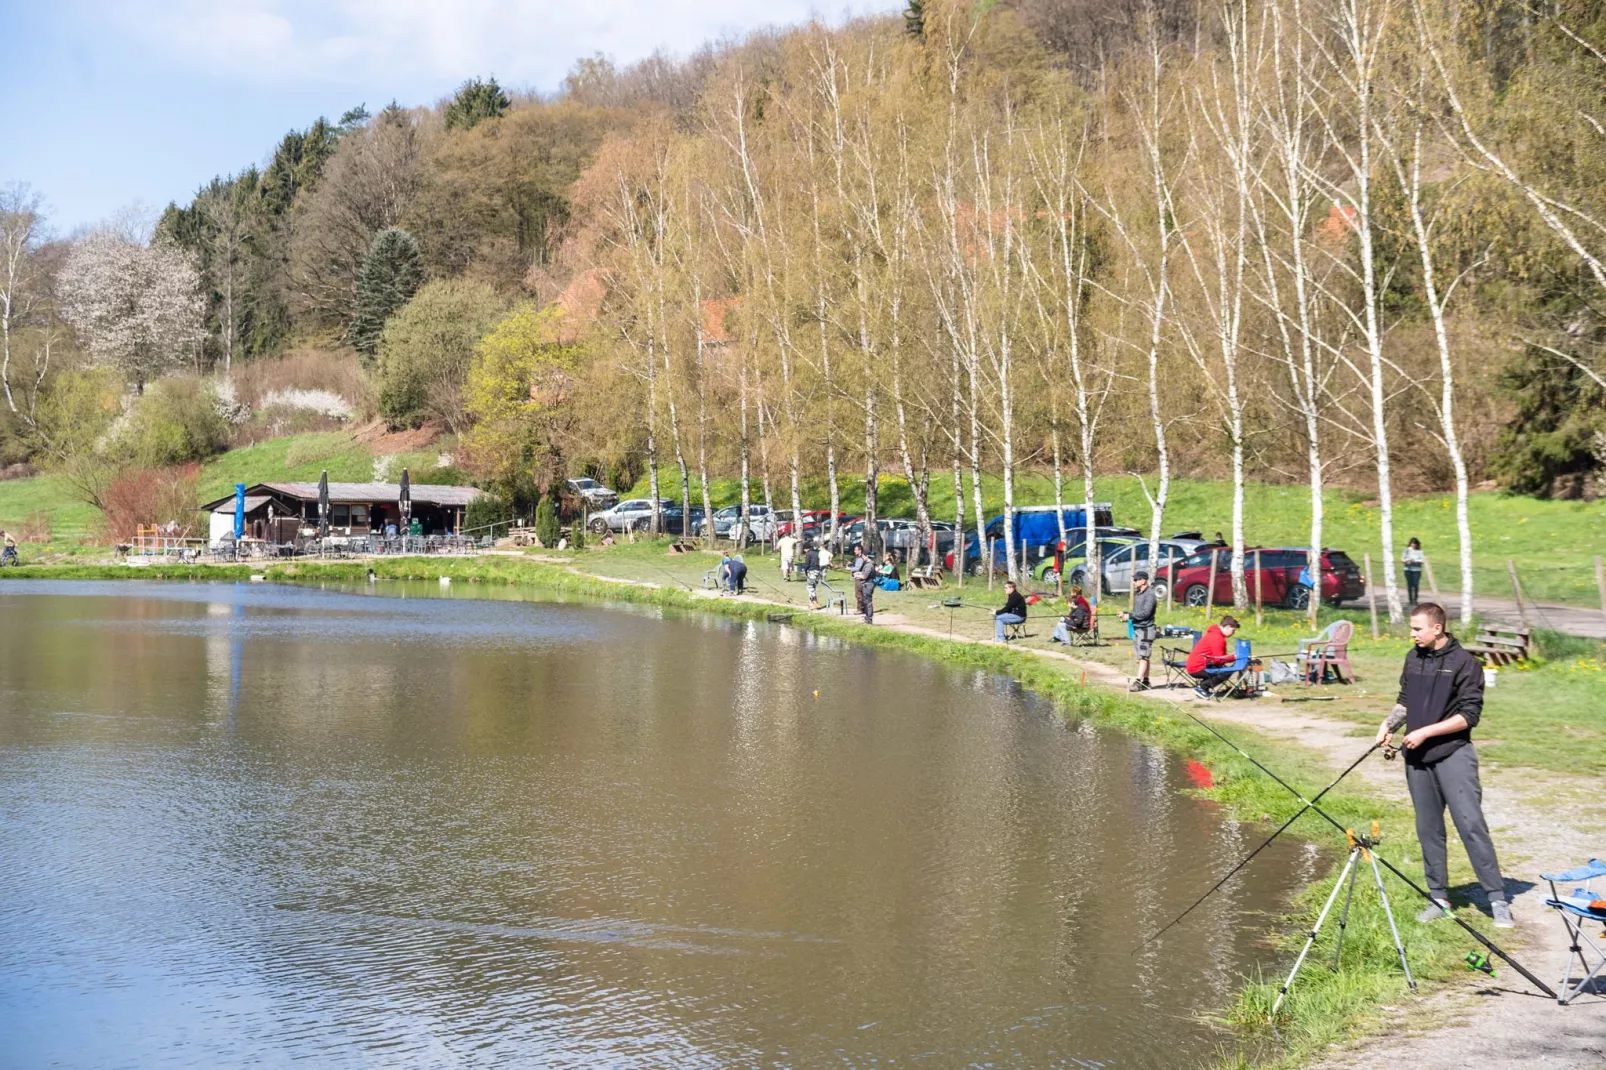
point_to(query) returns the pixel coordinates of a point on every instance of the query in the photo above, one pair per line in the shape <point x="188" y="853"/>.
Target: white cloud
<point x="523" y="42"/>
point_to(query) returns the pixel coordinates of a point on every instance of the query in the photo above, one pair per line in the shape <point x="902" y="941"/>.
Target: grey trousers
<point x="1453" y="782"/>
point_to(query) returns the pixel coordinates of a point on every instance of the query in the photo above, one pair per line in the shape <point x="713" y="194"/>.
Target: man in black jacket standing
<point x="1440" y="702"/>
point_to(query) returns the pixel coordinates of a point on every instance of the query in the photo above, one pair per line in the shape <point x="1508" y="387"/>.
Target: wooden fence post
<point x="1516" y="589"/>
<point x="1171" y="579"/>
<point x="1371" y="595"/>
<point x="1257" y="588"/>
<point x="1210" y="592"/>
<point x="1433" y="584"/>
<point x="1600" y="581"/>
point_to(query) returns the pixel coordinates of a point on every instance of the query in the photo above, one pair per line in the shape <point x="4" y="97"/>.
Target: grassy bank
<point x="1325" y="1007"/>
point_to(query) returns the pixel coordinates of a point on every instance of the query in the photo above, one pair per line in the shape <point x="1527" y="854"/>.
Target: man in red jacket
<point x="1210" y="652"/>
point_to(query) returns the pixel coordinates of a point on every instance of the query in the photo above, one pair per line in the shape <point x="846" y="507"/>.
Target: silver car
<point x="623" y="516"/>
<point x="1121" y="564"/>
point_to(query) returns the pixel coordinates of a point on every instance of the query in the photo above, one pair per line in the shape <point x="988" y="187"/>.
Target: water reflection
<point x="253" y="823"/>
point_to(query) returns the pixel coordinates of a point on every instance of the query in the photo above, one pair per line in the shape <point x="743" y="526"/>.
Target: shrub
<point x="335" y="371"/>
<point x="322" y="402"/>
<point x="577" y="536"/>
<point x="427" y="348"/>
<point x="486" y="510"/>
<point x="175" y="421"/>
<point x="145" y="497"/>
<point x="546" y="523"/>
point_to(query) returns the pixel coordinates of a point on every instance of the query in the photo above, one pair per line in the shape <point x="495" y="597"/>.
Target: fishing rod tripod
<point x="1360" y="847"/>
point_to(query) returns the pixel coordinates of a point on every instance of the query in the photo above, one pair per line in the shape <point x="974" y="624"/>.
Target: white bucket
<point x="1490" y="678"/>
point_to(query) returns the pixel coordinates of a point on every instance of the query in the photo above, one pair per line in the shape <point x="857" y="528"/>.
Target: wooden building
<point x="282" y="512"/>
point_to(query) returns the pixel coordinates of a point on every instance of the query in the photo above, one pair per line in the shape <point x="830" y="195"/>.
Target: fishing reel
<point x="1477" y="960"/>
<point x="1357" y="839"/>
<point x="1389" y="751"/>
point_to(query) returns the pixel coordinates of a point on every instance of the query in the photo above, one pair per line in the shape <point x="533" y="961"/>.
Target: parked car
<point x="1036" y="531"/>
<point x="672" y="519"/>
<point x="1280" y="577"/>
<point x="1111" y="540"/>
<point x="816" y="524"/>
<point x="1118" y="567"/>
<point x="623" y="516"/>
<point x="760" y="523"/>
<point x="595" y="496"/>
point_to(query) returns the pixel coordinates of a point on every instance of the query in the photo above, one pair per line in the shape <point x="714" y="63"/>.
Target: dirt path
<point x="1572" y="620"/>
<point x="1541" y="821"/>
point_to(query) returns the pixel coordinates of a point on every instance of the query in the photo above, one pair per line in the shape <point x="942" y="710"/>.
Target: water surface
<point x="250" y="824"/>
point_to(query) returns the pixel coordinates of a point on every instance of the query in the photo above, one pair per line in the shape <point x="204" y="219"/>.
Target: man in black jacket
<point x="1440" y="702"/>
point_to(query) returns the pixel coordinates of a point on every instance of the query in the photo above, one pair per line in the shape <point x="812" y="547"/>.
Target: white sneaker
<point x="1502" y="914"/>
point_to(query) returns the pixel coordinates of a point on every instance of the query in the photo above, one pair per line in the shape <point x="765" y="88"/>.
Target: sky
<point x="117" y="102"/>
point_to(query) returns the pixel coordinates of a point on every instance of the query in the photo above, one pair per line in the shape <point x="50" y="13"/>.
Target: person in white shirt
<point x="1412" y="559"/>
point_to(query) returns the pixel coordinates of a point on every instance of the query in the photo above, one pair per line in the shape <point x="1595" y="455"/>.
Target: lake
<point x="402" y="826"/>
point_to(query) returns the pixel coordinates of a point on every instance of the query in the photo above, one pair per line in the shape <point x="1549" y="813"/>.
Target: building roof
<point x="365" y="493"/>
<point x="226" y="505"/>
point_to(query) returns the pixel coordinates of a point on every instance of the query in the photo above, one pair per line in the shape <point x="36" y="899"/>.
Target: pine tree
<point x="914" y="19"/>
<point x="547" y="528"/>
<point x="391" y="274"/>
<point x="475" y="101"/>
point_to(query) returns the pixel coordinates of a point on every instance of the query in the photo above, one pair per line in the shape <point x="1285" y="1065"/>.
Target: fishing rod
<point x="1250" y="857"/>
<point x="674" y="577"/>
<point x="954" y="603"/>
<point x="1415" y="887"/>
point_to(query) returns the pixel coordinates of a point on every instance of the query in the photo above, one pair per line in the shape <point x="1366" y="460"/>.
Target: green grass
<point x="1552" y="542"/>
<point x="297" y="458"/>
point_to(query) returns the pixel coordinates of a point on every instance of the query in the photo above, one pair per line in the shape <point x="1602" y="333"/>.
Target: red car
<point x="1283" y="577"/>
<point x="815" y="522"/>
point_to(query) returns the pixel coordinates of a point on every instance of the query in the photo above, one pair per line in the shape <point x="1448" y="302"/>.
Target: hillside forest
<point x="1324" y="243"/>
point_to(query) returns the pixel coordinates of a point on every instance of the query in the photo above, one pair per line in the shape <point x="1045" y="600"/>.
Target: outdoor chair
<point x="922" y="578"/>
<point x="1014" y="631"/>
<point x="1575" y="909"/>
<point x="1088" y="636"/>
<point x="832" y="597"/>
<point x="1329" y="650"/>
<point x="1224" y="680"/>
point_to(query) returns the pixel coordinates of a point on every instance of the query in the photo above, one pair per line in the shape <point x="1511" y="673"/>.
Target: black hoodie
<point x="1436" y="684"/>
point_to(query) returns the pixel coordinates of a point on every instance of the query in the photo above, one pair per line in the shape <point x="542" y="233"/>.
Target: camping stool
<point x="1577" y="905"/>
<point x="1016" y="630"/>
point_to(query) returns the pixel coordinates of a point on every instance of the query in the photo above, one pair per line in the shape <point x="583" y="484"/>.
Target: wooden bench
<point x="921" y="578"/>
<point x="1498" y="644"/>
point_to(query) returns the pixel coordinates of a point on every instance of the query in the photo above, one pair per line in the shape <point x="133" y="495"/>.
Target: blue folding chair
<point x="1222" y="679"/>
<point x="1577" y="906"/>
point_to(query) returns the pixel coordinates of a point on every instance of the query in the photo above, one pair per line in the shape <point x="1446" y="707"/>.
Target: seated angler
<point x="1210" y="654"/>
<point x="1013" y="611"/>
<point x="1078" y="619"/>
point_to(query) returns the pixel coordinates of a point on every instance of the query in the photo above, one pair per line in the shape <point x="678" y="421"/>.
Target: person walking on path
<point x="786" y="545"/>
<point x="864" y="582"/>
<point x="1013" y="612"/>
<point x="8" y="556"/>
<point x="811" y="574"/>
<point x="1439" y="704"/>
<point x="1144" y="606"/>
<point x="1412" y="559"/>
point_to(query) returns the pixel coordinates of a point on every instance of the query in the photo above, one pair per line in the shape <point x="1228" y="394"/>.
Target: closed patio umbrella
<point x="405" y="499"/>
<point x="323" y="505"/>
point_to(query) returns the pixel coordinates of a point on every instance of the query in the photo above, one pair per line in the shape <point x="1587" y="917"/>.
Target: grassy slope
<point x="1552" y="542"/>
<point x="1326" y="1006"/>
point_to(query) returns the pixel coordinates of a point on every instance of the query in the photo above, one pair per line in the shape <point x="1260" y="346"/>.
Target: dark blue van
<point x="1037" y="530"/>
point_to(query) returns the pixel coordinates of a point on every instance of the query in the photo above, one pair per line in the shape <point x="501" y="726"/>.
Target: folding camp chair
<point x="1225" y="679"/>
<point x="1174" y="659"/>
<point x="1577" y="905"/>
<point x="1329" y="650"/>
